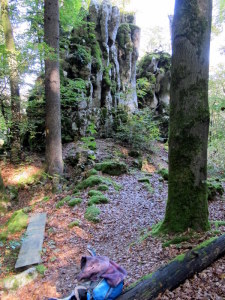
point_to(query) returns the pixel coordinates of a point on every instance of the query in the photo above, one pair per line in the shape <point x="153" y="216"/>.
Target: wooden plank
<point x="30" y="251"/>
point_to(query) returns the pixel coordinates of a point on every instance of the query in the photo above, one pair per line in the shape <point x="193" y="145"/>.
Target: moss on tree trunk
<point x="14" y="83"/>
<point x="189" y="118"/>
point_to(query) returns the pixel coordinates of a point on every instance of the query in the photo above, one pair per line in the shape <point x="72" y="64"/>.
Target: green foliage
<point x="114" y="168"/>
<point x="74" y="201"/>
<point x="71" y="15"/>
<point x="92" y="214"/>
<point x="97" y="199"/>
<point x="140" y="130"/>
<point x="214" y="187"/>
<point x="143" y="87"/>
<point x="216" y="149"/>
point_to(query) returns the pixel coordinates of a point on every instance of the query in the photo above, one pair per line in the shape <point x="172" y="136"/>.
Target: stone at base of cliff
<point x="112" y="167"/>
<point x="19" y="280"/>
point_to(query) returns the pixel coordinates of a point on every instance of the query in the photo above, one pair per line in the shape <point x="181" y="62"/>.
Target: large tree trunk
<point x="14" y="83"/>
<point x="177" y="271"/>
<point x="52" y="89"/>
<point x="189" y="117"/>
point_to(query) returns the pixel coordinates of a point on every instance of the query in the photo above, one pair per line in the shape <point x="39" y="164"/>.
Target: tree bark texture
<point x="177" y="271"/>
<point x="52" y="89"/>
<point x="14" y="83"/>
<point x="189" y="117"/>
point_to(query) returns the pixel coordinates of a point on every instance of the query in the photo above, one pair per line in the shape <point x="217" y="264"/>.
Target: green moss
<point x="144" y="179"/>
<point x="41" y="269"/>
<point x="90" y="182"/>
<point x="205" y="243"/>
<point x="112" y="167"/>
<point x="91" y="172"/>
<point x="214" y="187"/>
<point x="74" y="201"/>
<point x="179" y="258"/>
<point x="95" y="180"/>
<point x="94" y="193"/>
<point x="97" y="56"/>
<point x="145" y="277"/>
<point x="63" y="201"/>
<point x="92" y="214"/>
<point x="98" y="199"/>
<point x="106" y="76"/>
<point x="74" y="223"/>
<point x="219" y="223"/>
<point x="103" y="187"/>
<point x="124" y="37"/>
<point x="17" y="222"/>
<point x="164" y="173"/>
<point x="176" y="240"/>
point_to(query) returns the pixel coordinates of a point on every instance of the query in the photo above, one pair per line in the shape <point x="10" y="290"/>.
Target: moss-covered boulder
<point x="103" y="187"/>
<point x="74" y="201"/>
<point x="98" y="199"/>
<point x="94" y="193"/>
<point x="114" y="168"/>
<point x="92" y="214"/>
<point x="214" y="187"/>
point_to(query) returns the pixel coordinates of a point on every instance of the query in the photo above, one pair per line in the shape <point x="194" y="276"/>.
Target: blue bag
<point x="103" y="291"/>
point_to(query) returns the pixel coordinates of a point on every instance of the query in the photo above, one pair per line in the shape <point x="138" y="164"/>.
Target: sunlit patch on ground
<point x="147" y="167"/>
<point x="20" y="175"/>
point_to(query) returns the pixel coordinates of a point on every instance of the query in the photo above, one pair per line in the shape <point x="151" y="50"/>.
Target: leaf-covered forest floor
<point x="123" y="233"/>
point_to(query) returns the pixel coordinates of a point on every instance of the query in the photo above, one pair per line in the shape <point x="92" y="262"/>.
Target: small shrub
<point x="94" y="193"/>
<point x="92" y="214"/>
<point x="74" y="201"/>
<point x="103" y="187"/>
<point x="140" y="130"/>
<point x="100" y="199"/>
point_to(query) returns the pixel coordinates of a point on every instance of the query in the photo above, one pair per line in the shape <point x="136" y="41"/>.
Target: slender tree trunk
<point x="52" y="89"/>
<point x="14" y="83"/>
<point x="187" y="205"/>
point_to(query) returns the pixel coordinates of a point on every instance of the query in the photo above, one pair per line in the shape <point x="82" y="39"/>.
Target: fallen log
<point x="176" y="271"/>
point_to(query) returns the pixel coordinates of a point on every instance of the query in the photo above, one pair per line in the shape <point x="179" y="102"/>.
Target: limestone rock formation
<point x="153" y="86"/>
<point x="103" y="53"/>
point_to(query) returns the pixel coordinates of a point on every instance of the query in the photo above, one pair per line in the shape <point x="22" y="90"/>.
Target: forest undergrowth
<point x="113" y="214"/>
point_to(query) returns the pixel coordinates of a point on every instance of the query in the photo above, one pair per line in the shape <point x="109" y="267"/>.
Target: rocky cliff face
<point x="103" y="53"/>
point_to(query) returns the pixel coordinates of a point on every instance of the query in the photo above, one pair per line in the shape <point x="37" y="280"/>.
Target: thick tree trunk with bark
<point x="189" y="117"/>
<point x="177" y="271"/>
<point x="52" y="89"/>
<point x="14" y="83"/>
